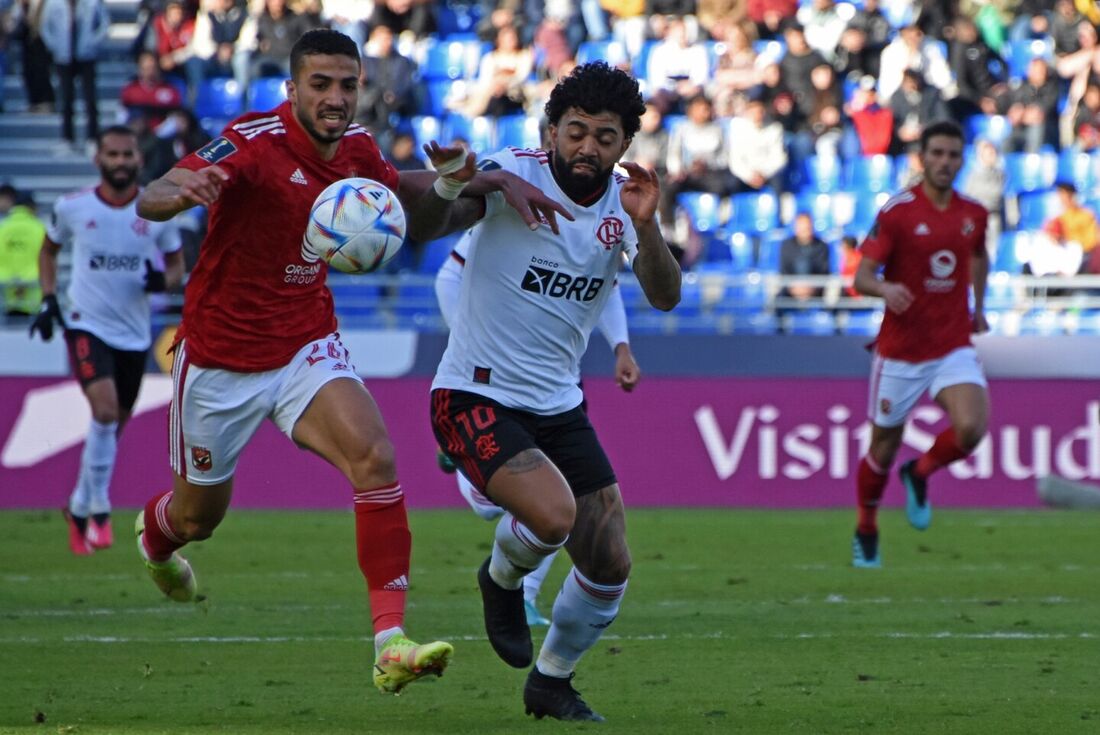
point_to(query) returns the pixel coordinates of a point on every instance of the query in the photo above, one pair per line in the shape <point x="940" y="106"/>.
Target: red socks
<point x="384" y="544"/>
<point x="870" y="484"/>
<point x="159" y="538"/>
<point x="944" y="451"/>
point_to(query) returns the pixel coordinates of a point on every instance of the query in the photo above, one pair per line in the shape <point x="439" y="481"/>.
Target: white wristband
<point x="448" y="189"/>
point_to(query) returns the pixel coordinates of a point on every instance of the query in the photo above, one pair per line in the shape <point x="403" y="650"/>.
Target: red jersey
<point x="253" y="300"/>
<point x="929" y="251"/>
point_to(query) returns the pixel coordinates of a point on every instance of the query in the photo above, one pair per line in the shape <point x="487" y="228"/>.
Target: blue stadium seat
<point x="451" y="60"/>
<point x="266" y="93"/>
<point x="613" y="52"/>
<point x="863" y="322"/>
<point x="1080" y="168"/>
<point x="759" y="323"/>
<point x="1020" y="53"/>
<point x="415" y="298"/>
<point x="767" y="251"/>
<point x="866" y="209"/>
<point x="741" y="249"/>
<point x="1000" y="293"/>
<point x="435" y="253"/>
<point x="816" y="322"/>
<point x="755" y="213"/>
<point x="640" y="65"/>
<point x="438" y="92"/>
<point x="1011" y="251"/>
<point x="518" y="131"/>
<point x="426" y="128"/>
<point x="995" y="128"/>
<point x="703" y="209"/>
<point x="822" y="174"/>
<point x="1042" y="322"/>
<point x="213" y="126"/>
<point x="353" y="297"/>
<point x="479" y="132"/>
<point x="219" y="98"/>
<point x="820" y="209"/>
<point x="1088" y="323"/>
<point x="691" y="298"/>
<point x="769" y="51"/>
<point x="870" y="174"/>
<point x="1036" y="208"/>
<point x="1026" y="172"/>
<point x="453" y="18"/>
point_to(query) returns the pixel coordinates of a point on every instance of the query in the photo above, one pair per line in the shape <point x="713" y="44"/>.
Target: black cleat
<point x="505" y="620"/>
<point x="549" y="696"/>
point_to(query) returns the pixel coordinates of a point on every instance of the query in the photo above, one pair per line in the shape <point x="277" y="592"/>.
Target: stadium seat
<point x="820" y="209"/>
<point x="640" y="65"/>
<point x="741" y="249"/>
<point x="1080" y="168"/>
<point x="1000" y="293"/>
<point x="1036" y="208"/>
<point x="767" y="251"/>
<point x="451" y="60"/>
<point x="1027" y="172"/>
<point x="1011" y="252"/>
<point x="759" y="323"/>
<point x="691" y="298"/>
<point x="703" y="209"/>
<point x="1041" y="322"/>
<point x="435" y="253"/>
<point x="425" y="128"/>
<point x="869" y="174"/>
<point x="222" y="98"/>
<point x="816" y="322"/>
<point x="769" y="51"/>
<point x="862" y="322"/>
<point x="479" y="132"/>
<point x="1020" y="53"/>
<point x="353" y="297"/>
<point x="456" y="18"/>
<point x="613" y="52"/>
<point x="822" y="174"/>
<point x="518" y="131"/>
<point x="865" y="210"/>
<point x="213" y="126"/>
<point x="266" y="93"/>
<point x="438" y="93"/>
<point x="995" y="128"/>
<point x="755" y="213"/>
<point x="415" y="297"/>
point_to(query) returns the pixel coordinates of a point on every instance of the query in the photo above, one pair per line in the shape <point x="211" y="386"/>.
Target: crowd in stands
<point x="764" y="117"/>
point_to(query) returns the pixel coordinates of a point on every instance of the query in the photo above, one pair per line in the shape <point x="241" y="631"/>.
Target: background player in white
<point x="258" y="338"/>
<point x="107" y="328"/>
<point x="505" y="404"/>
<point x="612" y="325"/>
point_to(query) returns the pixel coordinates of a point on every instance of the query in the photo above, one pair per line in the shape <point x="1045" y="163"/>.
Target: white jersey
<point x="109" y="247"/>
<point x="529" y="300"/>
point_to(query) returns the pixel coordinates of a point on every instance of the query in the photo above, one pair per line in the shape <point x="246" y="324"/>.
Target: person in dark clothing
<point x="915" y="104"/>
<point x="1032" y="108"/>
<point x="404" y="15"/>
<point x="803" y="254"/>
<point x="277" y="28"/>
<point x="797" y="63"/>
<point x="974" y="65"/>
<point x="36" y="60"/>
<point x="387" y="86"/>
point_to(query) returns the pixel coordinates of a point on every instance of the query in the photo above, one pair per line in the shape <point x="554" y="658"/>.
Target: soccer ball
<point x="355" y="226"/>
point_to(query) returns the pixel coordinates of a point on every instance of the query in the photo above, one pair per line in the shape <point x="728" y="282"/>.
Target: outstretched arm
<point x="656" y="268"/>
<point x="179" y="190"/>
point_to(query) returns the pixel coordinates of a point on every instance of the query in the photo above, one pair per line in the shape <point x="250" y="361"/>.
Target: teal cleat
<point x="534" y="617"/>
<point x="917" y="508"/>
<point x="865" y="551"/>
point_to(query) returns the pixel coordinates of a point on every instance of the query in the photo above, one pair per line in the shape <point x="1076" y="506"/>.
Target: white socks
<point x="516" y="552"/>
<point x="582" y="612"/>
<point x="382" y="637"/>
<point x="97" y="464"/>
<point x="533" y="581"/>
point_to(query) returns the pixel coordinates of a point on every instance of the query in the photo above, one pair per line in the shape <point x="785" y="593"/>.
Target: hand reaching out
<point x="641" y="192"/>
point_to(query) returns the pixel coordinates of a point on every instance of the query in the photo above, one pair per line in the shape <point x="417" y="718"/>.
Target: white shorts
<point x="896" y="385"/>
<point x="214" y="413"/>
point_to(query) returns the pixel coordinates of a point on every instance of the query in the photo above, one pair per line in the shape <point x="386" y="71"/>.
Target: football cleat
<point x="173" y="577"/>
<point x="505" y="620"/>
<point x="534" y="617"/>
<point x="865" y="551"/>
<point x="100" y="535"/>
<point x="549" y="696"/>
<point x="444" y="461"/>
<point x="78" y="543"/>
<point x="917" y="508"/>
<point x="401" y="662"/>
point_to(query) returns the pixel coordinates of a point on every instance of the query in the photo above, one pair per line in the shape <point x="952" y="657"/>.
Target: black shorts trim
<point x="480" y="435"/>
<point x="92" y="359"/>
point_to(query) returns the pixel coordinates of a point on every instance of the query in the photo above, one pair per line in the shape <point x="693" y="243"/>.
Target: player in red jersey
<point x="258" y="337"/>
<point x="930" y="242"/>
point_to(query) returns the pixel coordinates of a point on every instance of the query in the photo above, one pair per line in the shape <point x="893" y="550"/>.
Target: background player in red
<point x="258" y="338"/>
<point x="930" y="242"/>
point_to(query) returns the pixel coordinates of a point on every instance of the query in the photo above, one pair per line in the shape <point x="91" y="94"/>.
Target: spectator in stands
<point x="73" y="31"/>
<point x="173" y="31"/>
<point x="1084" y="62"/>
<point x="759" y="158"/>
<point x="819" y="128"/>
<point x="350" y="17"/>
<point x="313" y="12"/>
<point x="411" y="18"/>
<point x="853" y="58"/>
<point x="933" y="16"/>
<point x="849" y="263"/>
<point x="678" y="69"/>
<point x="972" y="62"/>
<point x="1032" y="108"/>
<point x="803" y="254"/>
<point x="501" y="77"/>
<point x="873" y="123"/>
<point x="1064" y="22"/>
<point x="403" y="154"/>
<point x="180" y="134"/>
<point x="558" y="33"/>
<point x="697" y="154"/>
<point x="628" y="23"/>
<point x="669" y="8"/>
<point x="1084" y="113"/>
<point x="1078" y="227"/>
<point x="649" y="147"/>
<point x="214" y="49"/>
<point x="777" y="98"/>
<point x="985" y="182"/>
<point x="874" y="24"/>
<point x="21" y="235"/>
<point x="735" y="74"/>
<point x="495" y="14"/>
<point x="797" y="64"/>
<point x="388" y="87"/>
<point x="911" y="50"/>
<point x="35" y="59"/>
<point x="1061" y="248"/>
<point x="915" y="104"/>
<point x="717" y="17"/>
<point x="771" y="16"/>
<point x="822" y="26"/>
<point x="277" y="28"/>
<point x="1031" y="21"/>
<point x="147" y="94"/>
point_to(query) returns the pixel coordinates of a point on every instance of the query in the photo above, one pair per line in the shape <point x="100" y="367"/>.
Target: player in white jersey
<point x="612" y="324"/>
<point x="107" y="329"/>
<point x="505" y="404"/>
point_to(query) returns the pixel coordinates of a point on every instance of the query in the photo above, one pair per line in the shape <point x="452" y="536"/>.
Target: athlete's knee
<point x="969" y="433"/>
<point x="105" y="412"/>
<point x="371" y="464"/>
<point x="553" y="525"/>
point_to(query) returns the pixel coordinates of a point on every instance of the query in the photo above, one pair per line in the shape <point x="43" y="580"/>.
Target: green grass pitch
<point x="734" y="622"/>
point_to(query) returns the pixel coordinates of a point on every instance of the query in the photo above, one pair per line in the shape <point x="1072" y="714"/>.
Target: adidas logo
<point x="922" y="229"/>
<point x="399" y="584"/>
<point x="298" y="178"/>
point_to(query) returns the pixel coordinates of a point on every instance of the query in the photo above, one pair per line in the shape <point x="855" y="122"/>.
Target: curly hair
<point x="596" y="87"/>
<point x="321" y="41"/>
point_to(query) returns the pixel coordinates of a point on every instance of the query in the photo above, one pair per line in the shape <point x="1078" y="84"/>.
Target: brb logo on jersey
<point x="106" y="262"/>
<point x="610" y="232"/>
<point x="558" y="285"/>
<point x="943" y="264"/>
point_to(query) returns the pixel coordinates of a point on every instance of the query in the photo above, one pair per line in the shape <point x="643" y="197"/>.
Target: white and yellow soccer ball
<point x="355" y="226"/>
